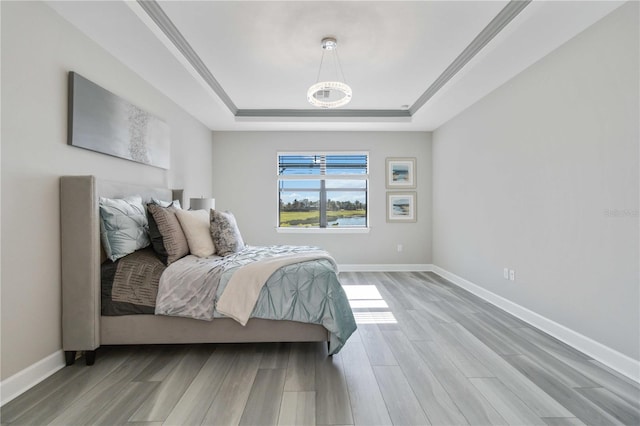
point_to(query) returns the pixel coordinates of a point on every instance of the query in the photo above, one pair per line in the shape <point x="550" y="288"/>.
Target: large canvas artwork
<point x="106" y="123"/>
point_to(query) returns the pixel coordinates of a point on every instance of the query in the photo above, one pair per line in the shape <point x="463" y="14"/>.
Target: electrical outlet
<point x="512" y="275"/>
<point x="400" y="248"/>
<point x="505" y="273"/>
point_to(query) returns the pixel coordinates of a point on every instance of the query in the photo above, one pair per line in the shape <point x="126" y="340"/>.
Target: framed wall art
<point x="401" y="173"/>
<point x="104" y="122"/>
<point x="401" y="207"/>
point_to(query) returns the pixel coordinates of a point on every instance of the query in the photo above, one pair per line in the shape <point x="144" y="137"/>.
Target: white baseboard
<point x="610" y="357"/>
<point x="392" y="267"/>
<point x="24" y="380"/>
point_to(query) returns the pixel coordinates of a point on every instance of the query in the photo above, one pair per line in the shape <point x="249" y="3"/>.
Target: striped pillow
<point x="155" y="236"/>
<point x="173" y="239"/>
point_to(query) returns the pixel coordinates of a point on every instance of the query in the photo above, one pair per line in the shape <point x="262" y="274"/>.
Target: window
<point x="323" y="190"/>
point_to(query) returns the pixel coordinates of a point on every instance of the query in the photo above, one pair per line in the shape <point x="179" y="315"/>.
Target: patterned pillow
<point x="173" y="240"/>
<point x="195" y="224"/>
<point x="225" y="233"/>
<point x="123" y="226"/>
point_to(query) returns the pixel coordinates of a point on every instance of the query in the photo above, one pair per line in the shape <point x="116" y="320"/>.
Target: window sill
<point x="287" y="230"/>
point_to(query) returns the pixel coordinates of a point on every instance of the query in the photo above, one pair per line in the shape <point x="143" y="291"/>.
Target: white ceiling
<point x="265" y="54"/>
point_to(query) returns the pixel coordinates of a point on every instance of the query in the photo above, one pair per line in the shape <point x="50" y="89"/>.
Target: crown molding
<point x="506" y="15"/>
<point x="155" y="12"/>
<point x="321" y="113"/>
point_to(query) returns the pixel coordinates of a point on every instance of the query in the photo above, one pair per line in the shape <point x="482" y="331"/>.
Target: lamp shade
<point x="202" y="203"/>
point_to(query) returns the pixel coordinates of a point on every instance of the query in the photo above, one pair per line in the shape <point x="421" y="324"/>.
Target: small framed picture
<point x="401" y="173"/>
<point x="401" y="207"/>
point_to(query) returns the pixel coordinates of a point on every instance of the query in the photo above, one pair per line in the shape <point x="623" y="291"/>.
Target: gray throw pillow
<point x="225" y="233"/>
<point x="123" y="226"/>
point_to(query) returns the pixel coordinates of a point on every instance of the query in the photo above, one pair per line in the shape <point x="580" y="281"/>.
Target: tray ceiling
<point x="238" y="65"/>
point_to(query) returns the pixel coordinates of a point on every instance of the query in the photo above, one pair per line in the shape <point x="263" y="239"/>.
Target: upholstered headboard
<point x="80" y="248"/>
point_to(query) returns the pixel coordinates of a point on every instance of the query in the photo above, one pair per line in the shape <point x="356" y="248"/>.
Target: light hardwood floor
<point x="426" y="352"/>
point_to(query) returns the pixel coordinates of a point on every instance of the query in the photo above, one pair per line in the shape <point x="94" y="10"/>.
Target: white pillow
<point x="195" y="224"/>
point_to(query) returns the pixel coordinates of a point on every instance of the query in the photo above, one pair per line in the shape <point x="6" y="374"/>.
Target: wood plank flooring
<point x="426" y="352"/>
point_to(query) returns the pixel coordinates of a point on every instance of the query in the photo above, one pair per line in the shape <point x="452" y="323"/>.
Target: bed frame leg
<point x="90" y="357"/>
<point x="69" y="357"/>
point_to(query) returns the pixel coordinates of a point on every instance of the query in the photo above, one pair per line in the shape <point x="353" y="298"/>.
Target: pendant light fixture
<point x="330" y="94"/>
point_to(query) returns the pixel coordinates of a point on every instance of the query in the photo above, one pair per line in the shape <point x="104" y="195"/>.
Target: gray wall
<point x="38" y="48"/>
<point x="245" y="182"/>
<point x="531" y="178"/>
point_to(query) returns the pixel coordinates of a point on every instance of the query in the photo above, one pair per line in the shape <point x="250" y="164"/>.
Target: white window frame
<point x="309" y="230"/>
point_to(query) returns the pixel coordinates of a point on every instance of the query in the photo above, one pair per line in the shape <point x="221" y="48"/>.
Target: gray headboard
<point x="80" y="248"/>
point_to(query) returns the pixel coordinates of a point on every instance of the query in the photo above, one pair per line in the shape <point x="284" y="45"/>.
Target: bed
<point x="84" y="328"/>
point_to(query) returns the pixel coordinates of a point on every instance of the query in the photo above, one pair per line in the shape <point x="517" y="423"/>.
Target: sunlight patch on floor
<point x="355" y="304"/>
<point x="364" y="297"/>
<point x="385" y="317"/>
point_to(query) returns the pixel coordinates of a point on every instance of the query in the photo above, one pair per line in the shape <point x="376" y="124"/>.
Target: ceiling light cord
<point x="340" y="67"/>
<point x="337" y="66"/>
<point x="320" y="67"/>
